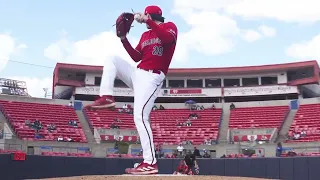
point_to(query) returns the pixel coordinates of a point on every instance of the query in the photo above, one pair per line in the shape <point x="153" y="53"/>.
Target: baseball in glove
<point x="124" y="24"/>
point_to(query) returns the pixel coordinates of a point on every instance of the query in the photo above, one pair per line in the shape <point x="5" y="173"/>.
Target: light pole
<point x="45" y="92"/>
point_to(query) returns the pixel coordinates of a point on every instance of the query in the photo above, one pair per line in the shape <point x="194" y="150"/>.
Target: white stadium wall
<point x="237" y="104"/>
<point x="90" y="78"/>
<point x="282" y="78"/>
<point x="201" y="92"/>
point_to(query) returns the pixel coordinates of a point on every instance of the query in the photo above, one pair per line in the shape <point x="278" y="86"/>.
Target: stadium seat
<point x="18" y="112"/>
<point x="258" y="117"/>
<point x="306" y="119"/>
<point x="164" y="124"/>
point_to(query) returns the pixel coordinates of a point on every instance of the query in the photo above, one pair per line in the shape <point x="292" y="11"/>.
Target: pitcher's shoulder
<point x="171" y="27"/>
<point x="170" y="24"/>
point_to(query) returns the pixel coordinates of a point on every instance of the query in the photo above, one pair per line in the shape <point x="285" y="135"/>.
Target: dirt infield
<point x="158" y="177"/>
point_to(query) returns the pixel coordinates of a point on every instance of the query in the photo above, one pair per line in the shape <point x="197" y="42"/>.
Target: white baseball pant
<point x="146" y="86"/>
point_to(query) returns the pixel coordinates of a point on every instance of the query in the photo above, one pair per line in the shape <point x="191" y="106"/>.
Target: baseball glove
<point x="123" y="24"/>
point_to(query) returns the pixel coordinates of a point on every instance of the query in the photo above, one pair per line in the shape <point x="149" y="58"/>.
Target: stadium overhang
<point x="211" y="71"/>
<point x="245" y="69"/>
<point x="313" y="64"/>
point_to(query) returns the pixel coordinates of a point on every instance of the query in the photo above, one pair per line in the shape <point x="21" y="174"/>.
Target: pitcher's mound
<point x="154" y="177"/>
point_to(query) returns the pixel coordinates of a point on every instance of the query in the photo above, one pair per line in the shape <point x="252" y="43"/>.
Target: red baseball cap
<point x="153" y="10"/>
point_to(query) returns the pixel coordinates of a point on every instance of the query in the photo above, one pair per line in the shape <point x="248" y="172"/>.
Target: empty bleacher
<point x="164" y="124"/>
<point x="258" y="117"/>
<point x="18" y="112"/>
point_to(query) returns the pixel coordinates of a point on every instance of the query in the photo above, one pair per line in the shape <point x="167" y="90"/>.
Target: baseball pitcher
<point x="154" y="52"/>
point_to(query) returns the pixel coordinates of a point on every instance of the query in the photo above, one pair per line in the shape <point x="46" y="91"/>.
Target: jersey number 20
<point x="157" y="50"/>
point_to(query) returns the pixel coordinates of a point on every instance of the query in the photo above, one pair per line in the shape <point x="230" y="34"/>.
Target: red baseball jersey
<point x="182" y="168"/>
<point x="156" y="46"/>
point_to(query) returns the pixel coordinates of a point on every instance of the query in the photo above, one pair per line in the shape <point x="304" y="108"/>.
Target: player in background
<point x="188" y="165"/>
<point x="154" y="52"/>
<point x="182" y="168"/>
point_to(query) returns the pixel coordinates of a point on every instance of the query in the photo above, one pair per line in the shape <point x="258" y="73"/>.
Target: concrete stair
<point x="286" y="125"/>
<point x="85" y="126"/>
<point x="224" y="126"/>
<point x="9" y="133"/>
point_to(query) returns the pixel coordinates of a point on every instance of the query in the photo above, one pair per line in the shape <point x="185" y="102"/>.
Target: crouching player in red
<point x="182" y="168"/>
<point x="188" y="166"/>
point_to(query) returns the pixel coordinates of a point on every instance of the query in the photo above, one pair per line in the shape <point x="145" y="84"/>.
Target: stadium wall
<point x="90" y="77"/>
<point x="100" y="150"/>
<point x="34" y="100"/>
<point x="168" y="105"/>
<point x="97" y="150"/>
<point x="218" y="105"/>
<point x="36" y="167"/>
<point x="237" y="104"/>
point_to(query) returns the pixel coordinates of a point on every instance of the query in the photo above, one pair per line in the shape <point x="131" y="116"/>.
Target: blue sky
<point x="212" y="33"/>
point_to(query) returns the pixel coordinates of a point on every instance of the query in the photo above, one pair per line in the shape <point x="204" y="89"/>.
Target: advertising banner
<point x="260" y="90"/>
<point x="186" y="92"/>
<point x="200" y="92"/>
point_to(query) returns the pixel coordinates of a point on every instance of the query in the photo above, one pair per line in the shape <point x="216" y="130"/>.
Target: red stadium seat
<point x="18" y="112"/>
<point x="258" y="117"/>
<point x="306" y="119"/>
<point x="164" y="124"/>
